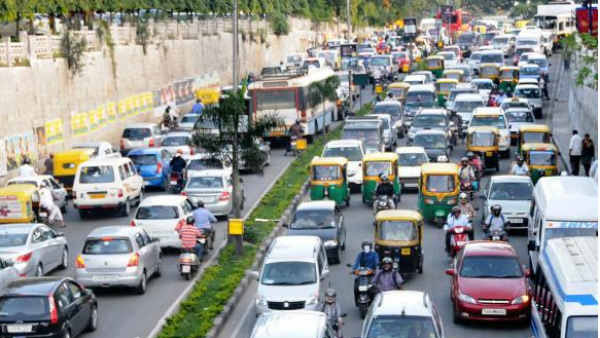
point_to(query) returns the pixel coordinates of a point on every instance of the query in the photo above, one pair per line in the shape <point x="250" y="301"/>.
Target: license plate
<point x="43" y="214"/>
<point x="185" y="268"/>
<point x="97" y="196"/>
<point x="19" y="328"/>
<point x="515" y="220"/>
<point x="146" y="183"/>
<point x="405" y="251"/>
<point x="102" y="278"/>
<point x="207" y="199"/>
<point x="493" y="312"/>
<point x="489" y="153"/>
<point x="460" y="243"/>
<point x="363" y="288"/>
<point x="202" y="240"/>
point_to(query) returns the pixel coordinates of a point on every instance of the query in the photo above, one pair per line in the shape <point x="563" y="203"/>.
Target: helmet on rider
<point x="386" y="263"/>
<point x="456" y="211"/>
<point x="366" y="246"/>
<point x="470" y="155"/>
<point x="496" y="209"/>
<point x="330" y="296"/>
<point x="384" y="178"/>
<point x="462" y="197"/>
<point x="464" y="160"/>
<point x="190" y="220"/>
<point x="26" y="160"/>
<point x="519" y="159"/>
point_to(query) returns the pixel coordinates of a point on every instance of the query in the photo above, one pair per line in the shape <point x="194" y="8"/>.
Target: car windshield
<point x="10" y="239"/>
<point x="582" y="327"/>
<point x="434" y="62"/>
<point x="136" y="133"/>
<point x="376" y="168"/>
<point x="173" y="141"/>
<point x="380" y="61"/>
<point x="529" y="70"/>
<point x="466" y="38"/>
<point x="521" y="51"/>
<point x="157" y="212"/>
<point x="455" y="76"/>
<point x="289" y="273"/>
<point x="420" y="98"/>
<point x="34" y="183"/>
<point x="326" y="172"/>
<point x="528" y="93"/>
<point x="149" y="159"/>
<point x="476" y="57"/>
<point x="190" y="119"/>
<point x="542" y="158"/>
<point x="205" y="182"/>
<point x="396" y="326"/>
<point x="448" y="56"/>
<point x="397" y="92"/>
<point x="430" y="141"/>
<point x="97" y="174"/>
<point x="490" y="267"/>
<point x="445" y="87"/>
<point x="412" y="159"/>
<point x="484" y="85"/>
<point x="542" y="63"/>
<point x="440" y="183"/>
<point x="511" y="191"/>
<point x="432" y="121"/>
<point x="492" y="121"/>
<point x="527" y="42"/>
<point x="500" y="41"/>
<point x="107" y="246"/>
<point x="24" y="308"/>
<point x="492" y="58"/>
<point x="514" y="104"/>
<point x="518" y="116"/>
<point x="397" y="231"/>
<point x="467" y="106"/>
<point x="369" y="136"/>
<point x="489" y="71"/>
<point x="482" y="139"/>
<point x="392" y="109"/>
<point x="205" y="163"/>
<point x="350" y="153"/>
<point x="313" y="219"/>
<point x="533" y="137"/>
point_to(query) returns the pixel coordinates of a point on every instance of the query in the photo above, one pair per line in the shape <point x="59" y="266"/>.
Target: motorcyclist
<point x="520" y="167"/>
<point x="475" y="162"/>
<point x="386" y="188"/>
<point x="466" y="209"/>
<point x="26" y="169"/>
<point x="204" y="219"/>
<point x="189" y="235"/>
<point x="47" y="203"/>
<point x="387" y="279"/>
<point x="295" y="132"/>
<point x="466" y="172"/>
<point x="333" y="311"/>
<point x="366" y="258"/>
<point x="495" y="221"/>
<point x="455" y="218"/>
<point x="177" y="165"/>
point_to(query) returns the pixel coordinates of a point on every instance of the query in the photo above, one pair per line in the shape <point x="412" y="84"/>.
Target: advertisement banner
<point x="40" y="136"/>
<point x="19" y="147"/>
<point x="79" y="124"/>
<point x="111" y="111"/>
<point x="184" y="91"/>
<point x="129" y="106"/>
<point x="139" y="107"/>
<point x="92" y="120"/>
<point x="53" y="131"/>
<point x="122" y="108"/>
<point x="209" y="95"/>
<point x="3" y="164"/>
<point x="10" y="208"/>
<point x="101" y="115"/>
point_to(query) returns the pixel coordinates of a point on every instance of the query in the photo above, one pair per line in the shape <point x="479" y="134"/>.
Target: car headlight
<point x="331" y="243"/>
<point x="452" y="201"/>
<point x="312" y="300"/>
<point x="261" y="301"/>
<point x="428" y="201"/>
<point x="520" y="300"/>
<point x="466" y="298"/>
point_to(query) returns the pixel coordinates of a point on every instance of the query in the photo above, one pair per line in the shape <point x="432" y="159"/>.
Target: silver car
<point x="8" y="273"/>
<point x="33" y="249"/>
<point x="118" y="256"/>
<point x="179" y="140"/>
<point x="214" y="188"/>
<point x="188" y="121"/>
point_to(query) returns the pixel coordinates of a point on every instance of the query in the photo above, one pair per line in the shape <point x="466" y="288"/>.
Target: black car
<point x="49" y="307"/>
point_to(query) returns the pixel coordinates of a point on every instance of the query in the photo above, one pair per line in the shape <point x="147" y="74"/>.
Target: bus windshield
<point x="275" y="99"/>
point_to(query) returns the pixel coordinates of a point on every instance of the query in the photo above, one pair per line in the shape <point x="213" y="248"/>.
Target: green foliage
<point x="279" y="23"/>
<point x="587" y="46"/>
<point x="142" y="34"/>
<point x="72" y="49"/>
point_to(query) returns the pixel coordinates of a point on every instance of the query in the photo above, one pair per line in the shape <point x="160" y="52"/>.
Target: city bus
<point x="291" y="97"/>
<point x="564" y="289"/>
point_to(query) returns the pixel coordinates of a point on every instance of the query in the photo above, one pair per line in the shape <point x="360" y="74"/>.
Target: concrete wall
<point x="31" y="96"/>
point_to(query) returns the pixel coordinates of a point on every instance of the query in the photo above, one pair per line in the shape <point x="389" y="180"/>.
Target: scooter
<point x="458" y="238"/>
<point x="497" y="235"/>
<point x="364" y="297"/>
<point x="175" y="182"/>
<point x="188" y="262"/>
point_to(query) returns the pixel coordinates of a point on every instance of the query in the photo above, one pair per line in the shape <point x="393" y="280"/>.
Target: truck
<point x="556" y="19"/>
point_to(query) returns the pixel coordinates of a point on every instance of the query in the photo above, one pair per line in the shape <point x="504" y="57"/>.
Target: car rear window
<point x="205" y="163"/>
<point x="107" y="246"/>
<point x="97" y="174"/>
<point x="25" y="308"/>
<point x="136" y="133"/>
<point x="172" y="141"/>
<point x="144" y="159"/>
<point x="157" y="212"/>
<point x="23" y="182"/>
<point x="8" y="240"/>
<point x="205" y="182"/>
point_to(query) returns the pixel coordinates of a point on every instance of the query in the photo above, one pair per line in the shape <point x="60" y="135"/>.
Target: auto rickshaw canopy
<point x="399" y="215"/>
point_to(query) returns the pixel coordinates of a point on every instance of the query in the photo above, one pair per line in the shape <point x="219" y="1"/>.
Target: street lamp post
<point x="235" y="145"/>
<point x="348" y="38"/>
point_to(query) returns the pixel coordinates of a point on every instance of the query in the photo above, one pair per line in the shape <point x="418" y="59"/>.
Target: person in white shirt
<point x="47" y="203"/>
<point x="575" y="147"/>
<point x="455" y="218"/>
<point x="26" y="169"/>
<point x="520" y="167"/>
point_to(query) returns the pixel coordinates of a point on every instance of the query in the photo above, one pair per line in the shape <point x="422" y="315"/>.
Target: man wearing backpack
<point x="495" y="221"/>
<point x="387" y="279"/>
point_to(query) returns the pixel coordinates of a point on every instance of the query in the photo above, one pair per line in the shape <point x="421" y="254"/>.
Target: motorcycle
<point x="468" y="188"/>
<point x="188" y="262"/>
<point x="497" y="235"/>
<point x="175" y="182"/>
<point x="382" y="202"/>
<point x="458" y="238"/>
<point x="364" y="298"/>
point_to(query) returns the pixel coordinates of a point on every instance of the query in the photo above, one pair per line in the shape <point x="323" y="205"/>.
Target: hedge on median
<point x="218" y="282"/>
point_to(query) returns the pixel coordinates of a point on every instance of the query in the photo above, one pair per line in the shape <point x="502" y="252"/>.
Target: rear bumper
<point x="104" y="204"/>
<point x="153" y="181"/>
<point x="98" y="280"/>
<point x="513" y="312"/>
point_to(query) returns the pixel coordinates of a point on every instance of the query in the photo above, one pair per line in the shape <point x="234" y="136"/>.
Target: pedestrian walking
<point x="575" y="146"/>
<point x="587" y="153"/>
<point x="49" y="164"/>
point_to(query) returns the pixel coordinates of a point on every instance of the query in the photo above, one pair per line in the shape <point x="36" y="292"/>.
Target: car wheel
<point x="455" y="316"/>
<point x="67" y="334"/>
<point x="157" y="272"/>
<point x="64" y="264"/>
<point x="141" y="288"/>
<point x="126" y="209"/>
<point x="93" y="323"/>
<point x="39" y="271"/>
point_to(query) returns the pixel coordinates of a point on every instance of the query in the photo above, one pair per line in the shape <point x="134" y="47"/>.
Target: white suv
<point x="493" y="117"/>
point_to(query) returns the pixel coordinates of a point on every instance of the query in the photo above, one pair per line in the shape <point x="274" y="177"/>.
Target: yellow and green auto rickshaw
<point x="484" y="140"/>
<point x="19" y="203"/>
<point x="509" y="77"/>
<point x="457" y="74"/>
<point x="489" y="71"/>
<point x="534" y="133"/>
<point x="439" y="187"/>
<point x="65" y="164"/>
<point x="399" y="90"/>
<point x="399" y="235"/>
<point x="541" y="158"/>
<point x="374" y="165"/>
<point x="435" y="64"/>
<point x="443" y="87"/>
<point x="328" y="180"/>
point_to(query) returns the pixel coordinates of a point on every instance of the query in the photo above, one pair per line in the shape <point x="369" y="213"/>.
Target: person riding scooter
<point x="333" y="311"/>
<point x="189" y="235"/>
<point x="456" y="218"/>
<point x="475" y="163"/>
<point x="386" y="188"/>
<point x="467" y="210"/>
<point x="295" y="132"/>
<point x="55" y="217"/>
<point x="520" y="167"/>
<point x="387" y="279"/>
<point x="177" y="165"/>
<point x="496" y="221"/>
<point x="367" y="258"/>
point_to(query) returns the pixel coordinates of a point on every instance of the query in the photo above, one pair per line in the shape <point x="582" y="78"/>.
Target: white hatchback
<point x="353" y="150"/>
<point x="409" y="165"/>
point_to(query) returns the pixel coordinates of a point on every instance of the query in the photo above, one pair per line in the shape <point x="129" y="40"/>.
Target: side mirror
<point x="253" y="274"/>
<point x="450" y="272"/>
<point x="531" y="246"/>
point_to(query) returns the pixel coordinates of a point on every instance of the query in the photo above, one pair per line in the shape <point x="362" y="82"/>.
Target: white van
<point x="530" y="39"/>
<point x="293" y="275"/>
<point x="297" y="324"/>
<point x="562" y="206"/>
<point x="108" y="183"/>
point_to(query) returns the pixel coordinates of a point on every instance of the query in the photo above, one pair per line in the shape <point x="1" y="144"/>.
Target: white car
<point x="533" y="94"/>
<point x="493" y="117"/>
<point x="205" y="161"/>
<point x="518" y="117"/>
<point x="513" y="194"/>
<point x="188" y="121"/>
<point x="59" y="193"/>
<point x="100" y="149"/>
<point x="475" y="59"/>
<point x="159" y="215"/>
<point x="353" y="150"/>
<point x="465" y="104"/>
<point x="450" y="58"/>
<point x="484" y="86"/>
<point x="415" y="79"/>
<point x="409" y="165"/>
<point x="178" y="140"/>
<point x="214" y="188"/>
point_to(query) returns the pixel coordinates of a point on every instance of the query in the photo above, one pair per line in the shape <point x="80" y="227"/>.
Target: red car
<point x="402" y="60"/>
<point x="489" y="283"/>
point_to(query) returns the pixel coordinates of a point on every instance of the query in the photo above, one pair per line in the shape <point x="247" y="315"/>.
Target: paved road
<point x="433" y="280"/>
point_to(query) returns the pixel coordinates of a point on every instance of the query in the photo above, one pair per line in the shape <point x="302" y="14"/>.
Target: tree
<point x="321" y="91"/>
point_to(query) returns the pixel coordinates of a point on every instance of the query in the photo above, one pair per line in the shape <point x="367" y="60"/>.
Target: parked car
<point x="33" y="249"/>
<point x="513" y="194"/>
<point x="214" y="188"/>
<point x="47" y="307"/>
<point x="322" y="219"/>
<point x="140" y="135"/>
<point x="118" y="256"/>
<point x="409" y="165"/>
<point x="59" y="193"/>
<point x="153" y="165"/>
<point x="489" y="284"/>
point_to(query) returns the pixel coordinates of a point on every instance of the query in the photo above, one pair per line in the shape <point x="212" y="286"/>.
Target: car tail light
<point x="79" y="262"/>
<point x="134" y="260"/>
<point x="180" y="224"/>
<point x="183" y="193"/>
<point x="120" y="193"/>
<point x="192" y="152"/>
<point x="23" y="258"/>
<point x="151" y="143"/>
<point x="132" y="223"/>
<point x="122" y="144"/>
<point x="53" y="310"/>
<point x="225" y="196"/>
<point x="158" y="168"/>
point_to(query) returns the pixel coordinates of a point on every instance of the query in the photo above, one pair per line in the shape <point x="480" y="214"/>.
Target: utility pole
<point x="348" y="38"/>
<point x="235" y="146"/>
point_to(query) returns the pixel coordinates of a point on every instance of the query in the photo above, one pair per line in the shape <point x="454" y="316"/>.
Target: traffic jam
<point x="443" y="210"/>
